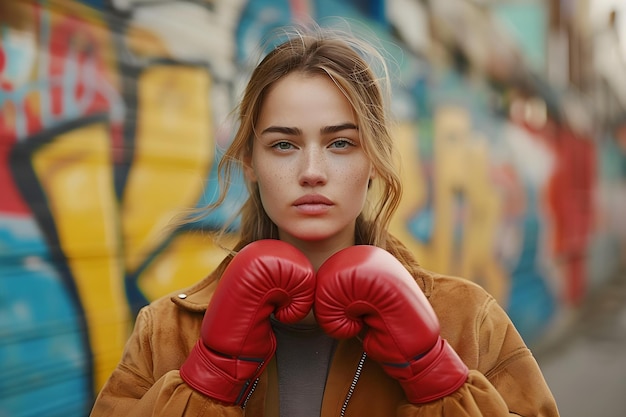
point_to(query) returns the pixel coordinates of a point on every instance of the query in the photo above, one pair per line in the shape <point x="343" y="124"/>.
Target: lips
<point x="313" y="199"/>
<point x="313" y="205"/>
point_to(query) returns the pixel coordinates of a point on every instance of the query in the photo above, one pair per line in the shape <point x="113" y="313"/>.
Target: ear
<point x="372" y="173"/>
<point x="372" y="176"/>
<point x="248" y="169"/>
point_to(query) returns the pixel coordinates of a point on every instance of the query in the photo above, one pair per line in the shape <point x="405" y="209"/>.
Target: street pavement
<point x="586" y="368"/>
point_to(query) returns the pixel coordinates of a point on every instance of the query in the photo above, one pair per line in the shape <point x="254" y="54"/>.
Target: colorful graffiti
<point x="112" y="118"/>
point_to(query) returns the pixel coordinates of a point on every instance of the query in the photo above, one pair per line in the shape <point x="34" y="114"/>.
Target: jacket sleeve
<point x="133" y="391"/>
<point x="507" y="380"/>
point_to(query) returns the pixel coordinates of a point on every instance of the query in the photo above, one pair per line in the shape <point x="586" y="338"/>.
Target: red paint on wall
<point x="571" y="191"/>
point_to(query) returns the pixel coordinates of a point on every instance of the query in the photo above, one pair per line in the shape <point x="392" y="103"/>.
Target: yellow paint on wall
<point x="461" y="161"/>
<point x="75" y="172"/>
<point x="461" y="168"/>
<point x="174" y="149"/>
<point x="414" y="191"/>
<point x="479" y="239"/>
<point x="451" y="130"/>
<point x="189" y="258"/>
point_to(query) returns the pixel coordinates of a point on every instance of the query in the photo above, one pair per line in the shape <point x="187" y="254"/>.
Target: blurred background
<point x="113" y="114"/>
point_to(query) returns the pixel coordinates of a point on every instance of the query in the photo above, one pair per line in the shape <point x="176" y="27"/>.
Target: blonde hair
<point x="352" y="64"/>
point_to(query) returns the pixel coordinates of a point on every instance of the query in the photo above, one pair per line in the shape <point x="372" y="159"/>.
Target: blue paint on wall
<point x="42" y="355"/>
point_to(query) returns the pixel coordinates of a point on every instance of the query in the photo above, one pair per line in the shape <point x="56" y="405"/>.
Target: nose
<point x="313" y="169"/>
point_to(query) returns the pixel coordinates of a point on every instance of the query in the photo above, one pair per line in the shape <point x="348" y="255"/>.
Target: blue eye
<point x="342" y="144"/>
<point x="283" y="146"/>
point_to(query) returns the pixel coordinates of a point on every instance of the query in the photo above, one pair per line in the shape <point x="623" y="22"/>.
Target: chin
<point x="316" y="232"/>
<point x="312" y="237"/>
<point x="309" y="235"/>
<point x="315" y="236"/>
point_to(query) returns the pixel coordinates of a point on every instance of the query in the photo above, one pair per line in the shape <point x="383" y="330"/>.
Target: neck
<point x="318" y="251"/>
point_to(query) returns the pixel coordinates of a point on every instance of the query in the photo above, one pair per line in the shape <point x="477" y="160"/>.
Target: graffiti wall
<point x="113" y="116"/>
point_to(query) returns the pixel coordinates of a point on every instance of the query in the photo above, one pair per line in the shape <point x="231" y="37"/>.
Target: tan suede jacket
<point x="504" y="377"/>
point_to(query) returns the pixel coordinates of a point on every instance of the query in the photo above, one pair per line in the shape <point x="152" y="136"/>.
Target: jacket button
<point x="182" y="296"/>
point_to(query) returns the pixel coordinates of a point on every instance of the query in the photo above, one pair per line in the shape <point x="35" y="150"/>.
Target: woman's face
<point x="308" y="161"/>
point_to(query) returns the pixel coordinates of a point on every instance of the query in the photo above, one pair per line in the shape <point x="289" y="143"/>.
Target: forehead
<point x="311" y="96"/>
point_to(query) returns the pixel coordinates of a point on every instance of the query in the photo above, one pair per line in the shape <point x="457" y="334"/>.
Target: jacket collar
<point x="196" y="298"/>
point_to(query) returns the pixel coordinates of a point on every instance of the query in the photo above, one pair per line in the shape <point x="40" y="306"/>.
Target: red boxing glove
<point x="367" y="287"/>
<point x="236" y="340"/>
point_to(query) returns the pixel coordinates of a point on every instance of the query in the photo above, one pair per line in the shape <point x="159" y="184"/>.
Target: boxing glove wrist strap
<point x="211" y="374"/>
<point x="443" y="373"/>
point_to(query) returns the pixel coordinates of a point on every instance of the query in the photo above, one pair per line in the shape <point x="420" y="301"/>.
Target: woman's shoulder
<point x="438" y="288"/>
<point x="181" y="309"/>
<point x="456" y="298"/>
<point x="455" y="287"/>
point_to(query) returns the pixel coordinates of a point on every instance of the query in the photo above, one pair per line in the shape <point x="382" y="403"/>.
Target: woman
<point x="319" y="311"/>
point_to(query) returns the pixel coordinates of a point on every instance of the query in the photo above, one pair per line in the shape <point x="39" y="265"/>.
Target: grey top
<point x="303" y="355"/>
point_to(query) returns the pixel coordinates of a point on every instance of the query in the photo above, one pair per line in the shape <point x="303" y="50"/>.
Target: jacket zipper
<point x="357" y="375"/>
<point x="344" y="407"/>
<point x="254" y="384"/>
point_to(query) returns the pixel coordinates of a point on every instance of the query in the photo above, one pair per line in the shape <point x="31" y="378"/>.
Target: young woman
<point x="319" y="311"/>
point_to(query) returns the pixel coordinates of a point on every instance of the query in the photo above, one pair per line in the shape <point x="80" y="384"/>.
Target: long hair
<point x="352" y="64"/>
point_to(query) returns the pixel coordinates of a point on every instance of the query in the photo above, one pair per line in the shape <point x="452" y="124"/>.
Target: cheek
<point x="264" y="172"/>
<point x="271" y="181"/>
<point x="272" y="185"/>
<point x="358" y="174"/>
<point x="355" y="180"/>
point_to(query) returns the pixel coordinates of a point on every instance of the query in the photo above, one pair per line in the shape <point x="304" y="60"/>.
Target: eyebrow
<point x="294" y="131"/>
<point x="339" y="128"/>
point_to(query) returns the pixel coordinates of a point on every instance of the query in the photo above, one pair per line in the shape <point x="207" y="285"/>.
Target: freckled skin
<point x="308" y="143"/>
